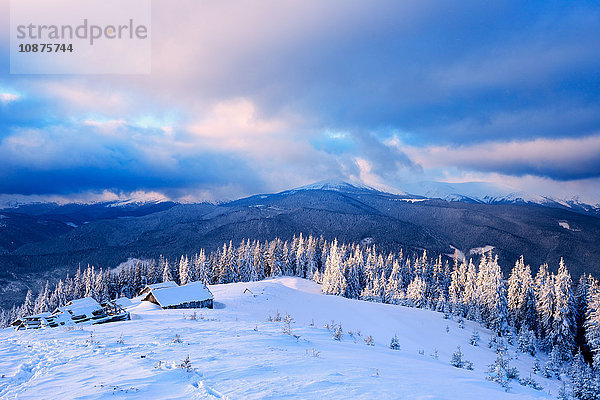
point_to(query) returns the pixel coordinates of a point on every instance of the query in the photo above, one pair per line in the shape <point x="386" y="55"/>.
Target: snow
<point x="130" y="263"/>
<point x="411" y="200"/>
<point x="460" y="255"/>
<point x="481" y="250"/>
<point x="123" y="302"/>
<point x="161" y="285"/>
<point x="172" y="296"/>
<point x="565" y="224"/>
<point x="342" y="186"/>
<point x="236" y="354"/>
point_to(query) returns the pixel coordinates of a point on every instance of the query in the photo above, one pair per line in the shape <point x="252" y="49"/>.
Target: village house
<point x="192" y="295"/>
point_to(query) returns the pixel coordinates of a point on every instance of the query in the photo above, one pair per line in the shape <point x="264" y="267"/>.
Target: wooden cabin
<point x="75" y="312"/>
<point x="192" y="295"/>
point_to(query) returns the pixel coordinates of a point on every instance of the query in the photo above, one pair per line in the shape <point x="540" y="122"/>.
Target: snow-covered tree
<point x="564" y="328"/>
<point x="456" y="291"/>
<point x="584" y="383"/>
<point x="166" y="274"/>
<point x="416" y="293"/>
<point x="544" y="283"/>
<point x="28" y="305"/>
<point x="492" y="294"/>
<point x="521" y="296"/>
<point x="334" y="281"/>
<point x="592" y="324"/>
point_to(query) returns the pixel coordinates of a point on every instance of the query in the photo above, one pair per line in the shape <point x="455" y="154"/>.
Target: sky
<point x="249" y="97"/>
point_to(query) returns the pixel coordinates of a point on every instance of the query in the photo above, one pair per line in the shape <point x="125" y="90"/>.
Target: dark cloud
<point x="557" y="159"/>
<point x="74" y="159"/>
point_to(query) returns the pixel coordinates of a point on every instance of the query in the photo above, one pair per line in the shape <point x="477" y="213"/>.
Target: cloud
<point x="246" y="97"/>
<point x="558" y="159"/>
<point x="73" y="159"/>
<point x="6" y="98"/>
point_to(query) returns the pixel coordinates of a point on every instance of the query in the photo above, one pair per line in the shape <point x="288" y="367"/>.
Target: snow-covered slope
<point x="236" y="353"/>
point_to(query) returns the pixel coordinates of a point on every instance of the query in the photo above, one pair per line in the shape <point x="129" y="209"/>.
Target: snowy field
<point x="236" y="353"/>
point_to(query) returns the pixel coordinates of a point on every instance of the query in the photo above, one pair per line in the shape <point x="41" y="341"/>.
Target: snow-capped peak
<point x="336" y="185"/>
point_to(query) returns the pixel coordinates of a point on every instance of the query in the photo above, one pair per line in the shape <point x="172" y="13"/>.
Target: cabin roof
<point x="161" y="285"/>
<point x="193" y="291"/>
<point x="38" y="316"/>
<point x="123" y="302"/>
<point x="85" y="306"/>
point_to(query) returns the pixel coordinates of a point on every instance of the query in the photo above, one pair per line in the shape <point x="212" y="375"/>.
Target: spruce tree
<point x="592" y="324"/>
<point x="166" y="275"/>
<point x="28" y="306"/>
<point x="563" y="325"/>
<point x="545" y="305"/>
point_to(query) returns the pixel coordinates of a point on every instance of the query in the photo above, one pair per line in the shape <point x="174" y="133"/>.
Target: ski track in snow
<point x="236" y="354"/>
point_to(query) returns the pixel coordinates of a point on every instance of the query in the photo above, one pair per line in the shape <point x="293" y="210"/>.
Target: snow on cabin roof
<point x="193" y="291"/>
<point x="123" y="302"/>
<point x="162" y="285"/>
<point x="81" y="306"/>
<point x="37" y="316"/>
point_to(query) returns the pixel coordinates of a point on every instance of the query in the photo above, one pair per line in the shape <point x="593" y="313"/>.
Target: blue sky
<point x="248" y="97"/>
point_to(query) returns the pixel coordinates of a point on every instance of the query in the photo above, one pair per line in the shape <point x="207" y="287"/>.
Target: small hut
<point x="155" y="286"/>
<point x="32" y="321"/>
<point x="192" y="295"/>
<point x="75" y="312"/>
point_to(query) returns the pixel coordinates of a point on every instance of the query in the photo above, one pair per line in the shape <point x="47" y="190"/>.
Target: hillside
<point x="236" y="353"/>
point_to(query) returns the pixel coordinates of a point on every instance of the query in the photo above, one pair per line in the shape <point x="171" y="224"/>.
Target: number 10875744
<point x="45" y="48"/>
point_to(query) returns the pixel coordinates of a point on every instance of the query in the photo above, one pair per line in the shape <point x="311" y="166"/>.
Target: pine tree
<point x="244" y="261"/>
<point x="581" y="306"/>
<point x="456" y="290"/>
<point x="28" y="305"/>
<point x="545" y="305"/>
<point x="475" y="338"/>
<point x="258" y="264"/>
<point x="203" y="272"/>
<point x="395" y="343"/>
<point x="458" y="361"/>
<point x="492" y="294"/>
<point x="416" y="293"/>
<point x="311" y="257"/>
<point x="521" y="296"/>
<point x="470" y="300"/>
<point x="4" y="319"/>
<point x="563" y="325"/>
<point x="351" y="274"/>
<point x="334" y="281"/>
<point x="166" y="275"/>
<point x="592" y="324"/>
<point x="584" y="383"/>
<point x="42" y="302"/>
<point x="393" y="287"/>
<point x="499" y="371"/>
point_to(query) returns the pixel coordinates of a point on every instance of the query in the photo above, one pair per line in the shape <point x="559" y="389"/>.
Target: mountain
<point x="236" y="351"/>
<point x="41" y="242"/>
<point x="495" y="193"/>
